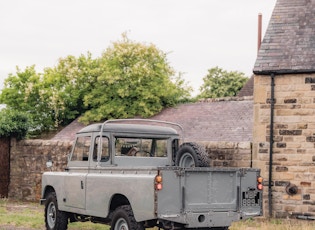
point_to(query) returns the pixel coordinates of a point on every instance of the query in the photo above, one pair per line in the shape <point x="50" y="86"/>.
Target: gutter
<point x="271" y="141"/>
<point x="283" y="71"/>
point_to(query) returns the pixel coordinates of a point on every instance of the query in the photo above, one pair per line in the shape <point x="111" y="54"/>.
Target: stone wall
<point x="293" y="169"/>
<point x="28" y="161"/>
<point x="29" y="157"/>
<point x="229" y="154"/>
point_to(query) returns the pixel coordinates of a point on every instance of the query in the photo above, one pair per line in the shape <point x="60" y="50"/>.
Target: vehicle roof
<point x="130" y="128"/>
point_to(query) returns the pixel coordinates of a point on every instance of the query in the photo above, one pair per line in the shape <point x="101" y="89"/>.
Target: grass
<point x="19" y="215"/>
<point x="23" y="215"/>
<point x="15" y="214"/>
<point x="273" y="224"/>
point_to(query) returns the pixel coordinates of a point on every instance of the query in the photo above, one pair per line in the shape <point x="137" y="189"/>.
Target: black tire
<point x="54" y="218"/>
<point x="191" y="154"/>
<point x="123" y="219"/>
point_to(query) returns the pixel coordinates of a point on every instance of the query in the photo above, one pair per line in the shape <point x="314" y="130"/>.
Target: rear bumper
<point x="208" y="219"/>
<point x="203" y="220"/>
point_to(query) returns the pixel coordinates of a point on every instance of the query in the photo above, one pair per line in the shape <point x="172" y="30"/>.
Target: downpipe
<point x="271" y="141"/>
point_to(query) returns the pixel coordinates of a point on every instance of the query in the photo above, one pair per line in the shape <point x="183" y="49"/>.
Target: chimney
<point x="259" y="31"/>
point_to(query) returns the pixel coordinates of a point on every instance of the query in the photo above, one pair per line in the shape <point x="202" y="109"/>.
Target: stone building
<point x="284" y="110"/>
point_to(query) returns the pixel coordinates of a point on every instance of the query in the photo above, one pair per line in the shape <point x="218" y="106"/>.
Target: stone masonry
<point x="294" y="142"/>
<point x="28" y="162"/>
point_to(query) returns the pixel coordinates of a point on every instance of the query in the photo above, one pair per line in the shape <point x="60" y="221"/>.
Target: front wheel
<point x="123" y="219"/>
<point x="54" y="218"/>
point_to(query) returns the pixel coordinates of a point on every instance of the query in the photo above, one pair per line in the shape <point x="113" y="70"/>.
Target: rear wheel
<point x="123" y="219"/>
<point x="191" y="154"/>
<point x="54" y="218"/>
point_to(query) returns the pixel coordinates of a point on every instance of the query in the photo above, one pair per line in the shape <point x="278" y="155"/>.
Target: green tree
<point x="22" y="93"/>
<point x="13" y="123"/>
<point x="64" y="86"/>
<point x="19" y="90"/>
<point x="129" y="79"/>
<point x="54" y="97"/>
<point x="221" y="83"/>
<point x="135" y="80"/>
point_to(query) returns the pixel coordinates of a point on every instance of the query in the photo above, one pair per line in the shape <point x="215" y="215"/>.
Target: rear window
<point x="140" y="147"/>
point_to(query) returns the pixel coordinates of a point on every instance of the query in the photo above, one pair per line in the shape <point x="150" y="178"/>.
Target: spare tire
<point x="191" y="154"/>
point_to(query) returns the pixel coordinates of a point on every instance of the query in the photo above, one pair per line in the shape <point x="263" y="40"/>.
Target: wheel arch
<point x="118" y="200"/>
<point x="48" y="189"/>
<point x="142" y="211"/>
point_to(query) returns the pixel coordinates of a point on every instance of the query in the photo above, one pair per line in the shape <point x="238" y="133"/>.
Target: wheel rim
<point x="51" y="215"/>
<point x="121" y="224"/>
<point x="186" y="161"/>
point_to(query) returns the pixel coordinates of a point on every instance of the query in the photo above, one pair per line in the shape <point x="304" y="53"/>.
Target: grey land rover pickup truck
<point x="134" y="175"/>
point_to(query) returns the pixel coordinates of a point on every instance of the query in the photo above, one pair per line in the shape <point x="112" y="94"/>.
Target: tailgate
<point x="208" y="190"/>
<point x="199" y="190"/>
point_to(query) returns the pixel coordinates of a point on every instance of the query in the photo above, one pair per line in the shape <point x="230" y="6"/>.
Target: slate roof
<point x="228" y="119"/>
<point x="68" y="133"/>
<point x="289" y="43"/>
<point x="248" y="88"/>
<point x="213" y="120"/>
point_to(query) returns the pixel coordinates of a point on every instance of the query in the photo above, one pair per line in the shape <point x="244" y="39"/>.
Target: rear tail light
<point x="158" y="182"/>
<point x="259" y="183"/>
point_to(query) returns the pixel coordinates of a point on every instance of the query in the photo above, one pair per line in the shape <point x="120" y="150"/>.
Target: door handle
<point x="82" y="187"/>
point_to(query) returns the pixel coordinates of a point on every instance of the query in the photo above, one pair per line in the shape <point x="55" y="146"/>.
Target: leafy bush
<point x="221" y="83"/>
<point x="13" y="124"/>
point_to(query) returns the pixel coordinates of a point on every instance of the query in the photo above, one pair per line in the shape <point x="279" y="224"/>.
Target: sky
<point x="197" y="35"/>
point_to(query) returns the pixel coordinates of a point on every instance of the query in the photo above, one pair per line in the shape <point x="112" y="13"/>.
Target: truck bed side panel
<point x="136" y="186"/>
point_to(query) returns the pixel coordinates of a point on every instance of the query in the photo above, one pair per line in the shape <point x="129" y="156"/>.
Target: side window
<point x="161" y="148"/>
<point x="126" y="146"/>
<point x="140" y="147"/>
<point x="81" y="149"/>
<point x="105" y="149"/>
